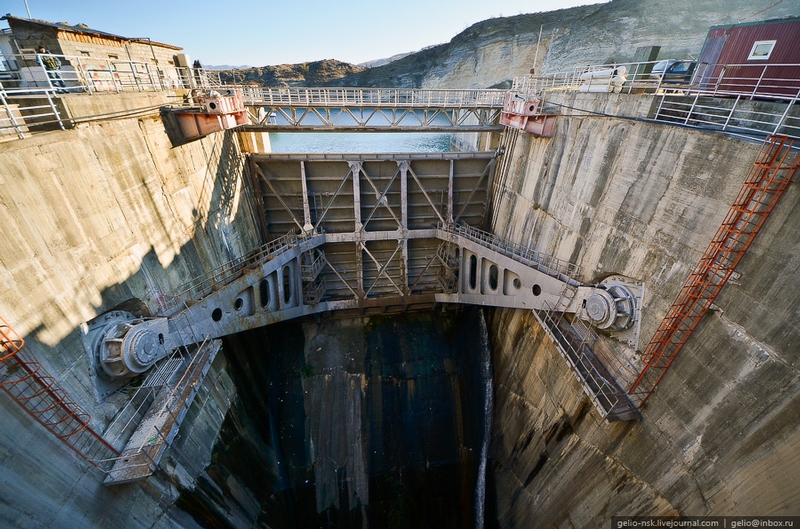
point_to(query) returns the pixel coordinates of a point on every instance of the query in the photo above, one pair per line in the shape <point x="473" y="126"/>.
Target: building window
<point x="113" y="56"/>
<point x="761" y="50"/>
<point x="85" y="54"/>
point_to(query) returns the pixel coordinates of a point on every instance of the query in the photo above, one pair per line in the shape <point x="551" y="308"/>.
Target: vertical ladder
<point x="39" y="394"/>
<point x="765" y="184"/>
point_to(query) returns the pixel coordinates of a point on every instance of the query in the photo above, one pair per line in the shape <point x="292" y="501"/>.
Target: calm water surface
<point x="359" y="142"/>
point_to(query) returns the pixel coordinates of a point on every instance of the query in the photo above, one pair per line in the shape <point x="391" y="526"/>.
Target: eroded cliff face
<point x="351" y="423"/>
<point x="493" y="52"/>
<point x="719" y="436"/>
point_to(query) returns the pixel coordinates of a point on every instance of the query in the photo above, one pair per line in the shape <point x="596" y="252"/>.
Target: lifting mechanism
<point x="371" y="234"/>
<point x="403" y="265"/>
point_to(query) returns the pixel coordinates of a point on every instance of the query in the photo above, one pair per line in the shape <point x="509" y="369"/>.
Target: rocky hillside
<point x="305" y="74"/>
<point x="491" y="53"/>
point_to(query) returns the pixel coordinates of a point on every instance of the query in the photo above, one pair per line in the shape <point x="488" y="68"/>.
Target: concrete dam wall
<point x="720" y="435"/>
<point x="105" y="215"/>
<point x="109" y="214"/>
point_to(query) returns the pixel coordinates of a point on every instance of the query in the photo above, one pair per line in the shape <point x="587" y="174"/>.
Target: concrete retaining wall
<point x="719" y="437"/>
<point x="105" y="214"/>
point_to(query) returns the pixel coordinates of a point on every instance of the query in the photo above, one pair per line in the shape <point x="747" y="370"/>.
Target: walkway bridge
<point x="373" y="109"/>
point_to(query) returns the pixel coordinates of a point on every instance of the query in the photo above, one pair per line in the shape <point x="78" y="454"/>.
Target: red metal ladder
<point x="765" y="184"/>
<point x="39" y="394"/>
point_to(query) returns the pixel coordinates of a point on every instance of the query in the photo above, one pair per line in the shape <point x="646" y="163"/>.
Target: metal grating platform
<point x="139" y="459"/>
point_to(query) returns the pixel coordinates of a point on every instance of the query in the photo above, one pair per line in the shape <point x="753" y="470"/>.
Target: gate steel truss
<point x="390" y="119"/>
<point x="765" y="184"/>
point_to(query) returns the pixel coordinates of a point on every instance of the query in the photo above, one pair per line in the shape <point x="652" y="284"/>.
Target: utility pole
<point x="536" y="56"/>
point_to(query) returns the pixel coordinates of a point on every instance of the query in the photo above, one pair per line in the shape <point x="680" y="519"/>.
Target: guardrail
<point x="737" y="116"/>
<point x="781" y="81"/>
<point x="155" y="425"/>
<point x="552" y="266"/>
<point x="203" y="285"/>
<point x="372" y="97"/>
<point x="96" y="74"/>
<point x="576" y="350"/>
<point x="29" y="90"/>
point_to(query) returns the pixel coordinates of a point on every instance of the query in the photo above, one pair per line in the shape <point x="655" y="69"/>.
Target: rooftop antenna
<point x="28" y="9"/>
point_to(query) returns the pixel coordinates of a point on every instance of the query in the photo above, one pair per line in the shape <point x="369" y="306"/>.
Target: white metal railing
<point x="369" y="97"/>
<point x="171" y="397"/>
<point x="604" y="393"/>
<point x="28" y="90"/>
<point x="779" y="81"/>
<point x="724" y="97"/>
<point x="39" y="108"/>
<point x="548" y="264"/>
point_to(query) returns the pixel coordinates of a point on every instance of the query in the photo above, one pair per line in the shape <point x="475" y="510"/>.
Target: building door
<point x="707" y="65"/>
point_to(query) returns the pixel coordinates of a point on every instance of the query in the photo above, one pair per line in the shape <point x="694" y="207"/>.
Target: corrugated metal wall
<point x="770" y="78"/>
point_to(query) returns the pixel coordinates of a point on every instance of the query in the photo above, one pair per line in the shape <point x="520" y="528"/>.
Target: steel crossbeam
<point x="279" y="119"/>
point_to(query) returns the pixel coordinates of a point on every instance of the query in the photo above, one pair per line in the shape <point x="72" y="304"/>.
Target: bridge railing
<point x="779" y="81"/>
<point x="203" y="285"/>
<point x="552" y="266"/>
<point x="369" y="97"/>
<point x="576" y="349"/>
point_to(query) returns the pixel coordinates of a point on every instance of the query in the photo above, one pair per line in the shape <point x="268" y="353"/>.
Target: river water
<point x="359" y="142"/>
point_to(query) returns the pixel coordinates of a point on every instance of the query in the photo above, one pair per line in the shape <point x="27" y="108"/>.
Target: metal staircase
<point x="765" y="184"/>
<point x="39" y="394"/>
<point x="152" y="421"/>
<point x="576" y="343"/>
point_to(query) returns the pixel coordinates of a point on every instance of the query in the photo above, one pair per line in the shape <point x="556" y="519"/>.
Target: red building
<point x="759" y="58"/>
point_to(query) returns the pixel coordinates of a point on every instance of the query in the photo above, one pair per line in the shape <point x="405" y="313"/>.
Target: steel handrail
<point x="639" y="76"/>
<point x="92" y="74"/>
<point x="604" y="393"/>
<point x="543" y="262"/>
<point x="202" y="285"/>
<point x="379" y="97"/>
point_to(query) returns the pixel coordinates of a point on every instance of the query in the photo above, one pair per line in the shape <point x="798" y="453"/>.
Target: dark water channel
<point x="376" y="422"/>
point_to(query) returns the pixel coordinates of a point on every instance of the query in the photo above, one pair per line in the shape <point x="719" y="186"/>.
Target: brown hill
<point x="305" y="74"/>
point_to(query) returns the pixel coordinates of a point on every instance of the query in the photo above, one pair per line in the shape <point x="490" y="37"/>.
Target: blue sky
<point x="262" y="32"/>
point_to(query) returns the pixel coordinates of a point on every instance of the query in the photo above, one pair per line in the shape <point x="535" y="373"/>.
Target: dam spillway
<point x="120" y="216"/>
